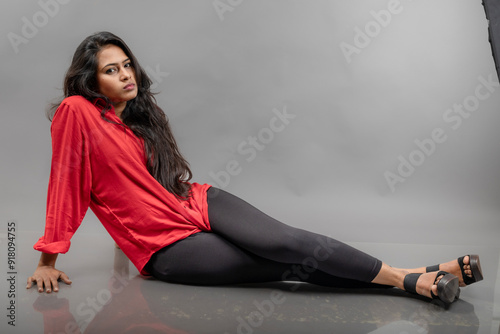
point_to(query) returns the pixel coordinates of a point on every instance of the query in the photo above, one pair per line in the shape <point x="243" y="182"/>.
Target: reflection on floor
<point x="108" y="296"/>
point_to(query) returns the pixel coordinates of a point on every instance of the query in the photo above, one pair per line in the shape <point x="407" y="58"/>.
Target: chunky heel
<point x="447" y="286"/>
<point x="475" y="267"/>
<point x="448" y="290"/>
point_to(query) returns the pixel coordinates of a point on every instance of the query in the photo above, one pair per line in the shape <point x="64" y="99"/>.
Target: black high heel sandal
<point x="475" y="267"/>
<point x="447" y="286"/>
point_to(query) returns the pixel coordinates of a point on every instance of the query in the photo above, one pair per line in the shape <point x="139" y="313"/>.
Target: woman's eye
<point x="128" y="65"/>
<point x="111" y="70"/>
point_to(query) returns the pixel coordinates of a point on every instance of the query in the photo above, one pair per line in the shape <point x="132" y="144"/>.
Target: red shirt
<point x="102" y="165"/>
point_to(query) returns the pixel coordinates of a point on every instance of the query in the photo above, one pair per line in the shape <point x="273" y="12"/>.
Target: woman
<point x="113" y="150"/>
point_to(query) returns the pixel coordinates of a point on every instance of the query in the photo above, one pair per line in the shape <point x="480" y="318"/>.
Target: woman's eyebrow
<point x="114" y="64"/>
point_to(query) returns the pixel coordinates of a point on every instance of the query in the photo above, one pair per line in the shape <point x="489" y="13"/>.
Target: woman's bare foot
<point x="436" y="285"/>
<point x="395" y="277"/>
<point x="424" y="284"/>
<point x="453" y="267"/>
<point x="427" y="283"/>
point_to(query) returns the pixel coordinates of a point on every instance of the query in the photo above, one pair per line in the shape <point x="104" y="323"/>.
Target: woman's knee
<point x="293" y="245"/>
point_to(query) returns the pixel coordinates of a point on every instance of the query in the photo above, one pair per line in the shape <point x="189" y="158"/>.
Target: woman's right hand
<point x="46" y="276"/>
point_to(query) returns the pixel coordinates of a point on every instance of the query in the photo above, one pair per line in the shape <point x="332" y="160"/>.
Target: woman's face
<point x="115" y="75"/>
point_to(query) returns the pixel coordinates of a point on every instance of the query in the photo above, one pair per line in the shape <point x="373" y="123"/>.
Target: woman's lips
<point x="129" y="87"/>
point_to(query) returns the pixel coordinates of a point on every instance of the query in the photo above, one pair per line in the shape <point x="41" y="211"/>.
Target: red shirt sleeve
<point x="70" y="180"/>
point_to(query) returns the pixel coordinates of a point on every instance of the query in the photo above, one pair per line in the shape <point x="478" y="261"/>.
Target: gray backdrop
<point x="368" y="120"/>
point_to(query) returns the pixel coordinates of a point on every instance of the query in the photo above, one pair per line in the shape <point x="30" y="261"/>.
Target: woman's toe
<point x="434" y="289"/>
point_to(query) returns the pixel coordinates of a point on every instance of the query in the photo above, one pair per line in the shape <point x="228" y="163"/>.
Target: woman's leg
<point x="252" y="230"/>
<point x="209" y="259"/>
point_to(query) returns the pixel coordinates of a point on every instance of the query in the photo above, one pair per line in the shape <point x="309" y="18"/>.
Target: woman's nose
<point x="125" y="75"/>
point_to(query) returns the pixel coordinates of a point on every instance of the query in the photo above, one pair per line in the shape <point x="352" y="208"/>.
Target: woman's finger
<point x="48" y="285"/>
<point x="55" y="285"/>
<point x="65" y="278"/>
<point x="29" y="284"/>
<point x="39" y="284"/>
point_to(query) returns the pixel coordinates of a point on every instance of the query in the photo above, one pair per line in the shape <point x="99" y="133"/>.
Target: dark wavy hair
<point x="142" y="115"/>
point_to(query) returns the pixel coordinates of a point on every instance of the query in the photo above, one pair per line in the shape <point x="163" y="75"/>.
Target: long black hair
<point x="142" y="115"/>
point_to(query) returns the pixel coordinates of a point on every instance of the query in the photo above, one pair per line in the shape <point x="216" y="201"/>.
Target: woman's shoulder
<point x="75" y="101"/>
<point x="75" y="105"/>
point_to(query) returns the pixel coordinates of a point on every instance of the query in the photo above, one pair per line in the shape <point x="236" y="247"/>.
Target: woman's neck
<point x="119" y="107"/>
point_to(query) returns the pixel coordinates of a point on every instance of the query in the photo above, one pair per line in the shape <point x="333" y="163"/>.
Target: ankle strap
<point x="410" y="282"/>
<point x="430" y="269"/>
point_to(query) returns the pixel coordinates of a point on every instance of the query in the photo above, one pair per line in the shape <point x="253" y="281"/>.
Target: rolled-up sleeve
<point x="69" y="189"/>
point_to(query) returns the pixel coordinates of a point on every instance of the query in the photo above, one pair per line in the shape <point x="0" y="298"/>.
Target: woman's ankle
<point x="391" y="276"/>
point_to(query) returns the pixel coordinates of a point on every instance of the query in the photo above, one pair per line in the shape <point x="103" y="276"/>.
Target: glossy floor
<point x="108" y="296"/>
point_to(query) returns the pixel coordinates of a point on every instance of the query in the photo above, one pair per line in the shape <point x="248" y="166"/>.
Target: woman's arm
<point x="69" y="190"/>
<point x="47" y="275"/>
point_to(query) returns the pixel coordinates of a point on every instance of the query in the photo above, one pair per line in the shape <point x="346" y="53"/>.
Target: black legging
<point x="247" y="246"/>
